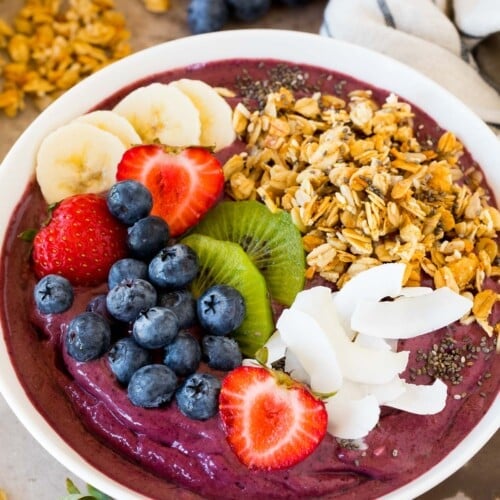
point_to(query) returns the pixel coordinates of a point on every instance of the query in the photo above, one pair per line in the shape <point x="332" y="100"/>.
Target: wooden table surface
<point x="27" y="471"/>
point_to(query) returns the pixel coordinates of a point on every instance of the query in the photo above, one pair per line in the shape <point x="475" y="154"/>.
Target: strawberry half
<point x="271" y="421"/>
<point x="184" y="186"/>
<point x="81" y="241"/>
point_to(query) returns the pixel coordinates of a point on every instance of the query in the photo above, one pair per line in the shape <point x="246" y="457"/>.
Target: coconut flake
<point x="356" y="362"/>
<point x="381" y="281"/>
<point x="385" y="392"/>
<point x="374" y="343"/>
<point x="276" y="348"/>
<point x="414" y="291"/>
<point x="350" y="418"/>
<point x="346" y="342"/>
<point x="313" y="349"/>
<point x="408" y="317"/>
<point x="295" y="369"/>
<point x="421" y="399"/>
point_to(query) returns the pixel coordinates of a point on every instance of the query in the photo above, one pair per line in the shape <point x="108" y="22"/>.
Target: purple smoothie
<point x="163" y="454"/>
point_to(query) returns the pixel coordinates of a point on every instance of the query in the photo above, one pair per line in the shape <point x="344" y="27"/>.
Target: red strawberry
<point x="81" y="241"/>
<point x="184" y="185"/>
<point x="271" y="421"/>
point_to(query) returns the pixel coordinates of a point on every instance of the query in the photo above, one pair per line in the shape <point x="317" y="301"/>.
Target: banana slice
<point x="77" y="158"/>
<point x="162" y="113"/>
<point x="114" y="123"/>
<point x="215" y="113"/>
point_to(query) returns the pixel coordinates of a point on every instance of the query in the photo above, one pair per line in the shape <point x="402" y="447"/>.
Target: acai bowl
<point x="61" y="431"/>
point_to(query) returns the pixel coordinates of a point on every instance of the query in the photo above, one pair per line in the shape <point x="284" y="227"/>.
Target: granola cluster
<point x="363" y="190"/>
<point x="51" y="45"/>
<point x="156" y="6"/>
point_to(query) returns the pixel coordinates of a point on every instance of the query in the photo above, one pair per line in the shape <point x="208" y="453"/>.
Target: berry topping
<point x="53" y="294"/>
<point x="155" y="327"/>
<point x="182" y="303"/>
<point x="183" y="354"/>
<point x="248" y="10"/>
<point x="221" y="353"/>
<point x="147" y="237"/>
<point x="184" y="185"/>
<point x="125" y="357"/>
<point x="127" y="269"/>
<point x="174" y="266"/>
<point x="152" y="386"/>
<point x="221" y="309"/>
<point x="205" y="16"/>
<point x="129" y="201"/>
<point x="129" y="298"/>
<point x="88" y="336"/>
<point x="80" y="242"/>
<point x="198" y="396"/>
<point x="97" y="304"/>
<point x="271" y="421"/>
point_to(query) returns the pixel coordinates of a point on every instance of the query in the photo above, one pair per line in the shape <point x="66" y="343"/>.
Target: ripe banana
<point x="161" y="112"/>
<point x="215" y="113"/>
<point x="77" y="158"/>
<point x="114" y="123"/>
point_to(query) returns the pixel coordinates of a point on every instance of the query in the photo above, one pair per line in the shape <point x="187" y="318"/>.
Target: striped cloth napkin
<point x="436" y="37"/>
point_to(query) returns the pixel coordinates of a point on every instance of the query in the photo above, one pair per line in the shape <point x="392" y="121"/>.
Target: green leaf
<point x="98" y="495"/>
<point x="261" y="355"/>
<point x="71" y="487"/>
<point x="74" y="492"/>
<point x="78" y="496"/>
<point x="28" y="235"/>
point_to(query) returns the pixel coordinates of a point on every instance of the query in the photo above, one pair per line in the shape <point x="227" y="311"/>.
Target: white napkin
<point x="420" y="34"/>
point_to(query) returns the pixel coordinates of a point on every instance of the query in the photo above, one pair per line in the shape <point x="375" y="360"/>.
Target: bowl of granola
<point x="336" y="212"/>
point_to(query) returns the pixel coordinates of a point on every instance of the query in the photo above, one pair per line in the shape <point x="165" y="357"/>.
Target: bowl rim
<point x="292" y="46"/>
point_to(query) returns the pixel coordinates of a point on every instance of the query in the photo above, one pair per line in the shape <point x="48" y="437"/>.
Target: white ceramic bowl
<point x="375" y="69"/>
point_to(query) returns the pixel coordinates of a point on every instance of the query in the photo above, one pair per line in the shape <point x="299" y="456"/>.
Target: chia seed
<point x="445" y="360"/>
<point x="349" y="444"/>
<point x="281" y="75"/>
<point x="395" y="452"/>
<point x="279" y="364"/>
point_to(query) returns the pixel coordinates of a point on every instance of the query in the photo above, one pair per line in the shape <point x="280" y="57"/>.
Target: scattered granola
<point x="51" y="45"/>
<point x="156" y="6"/>
<point x="363" y="190"/>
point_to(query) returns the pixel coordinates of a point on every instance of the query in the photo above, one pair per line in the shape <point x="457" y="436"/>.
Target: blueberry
<point x="221" y="353"/>
<point x="293" y="3"/>
<point x="151" y="386"/>
<point x="129" y="201"/>
<point x="53" y="294"/>
<point x="220" y="309"/>
<point x="125" y="357"/>
<point x="127" y="269"/>
<point x="147" y="237"/>
<point x="129" y="298"/>
<point x="198" y="397"/>
<point x="248" y="10"/>
<point x="155" y="327"/>
<point x="174" y="266"/>
<point x="97" y="305"/>
<point x="183" y="355"/>
<point x="88" y="336"/>
<point x="182" y="303"/>
<point x="205" y="16"/>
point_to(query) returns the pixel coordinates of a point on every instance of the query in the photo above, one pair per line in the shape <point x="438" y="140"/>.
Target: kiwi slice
<point x="224" y="262"/>
<point x="271" y="240"/>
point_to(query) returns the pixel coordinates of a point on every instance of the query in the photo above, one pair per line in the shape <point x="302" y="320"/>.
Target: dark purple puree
<point x="162" y="453"/>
